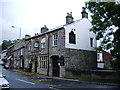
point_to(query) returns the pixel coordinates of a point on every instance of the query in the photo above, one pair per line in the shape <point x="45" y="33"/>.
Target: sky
<point x="31" y="15"/>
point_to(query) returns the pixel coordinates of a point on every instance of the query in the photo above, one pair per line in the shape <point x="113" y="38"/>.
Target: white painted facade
<point x="1" y="62"/>
<point x="81" y="29"/>
<point x="99" y="57"/>
<point x="3" y="55"/>
<point x="100" y="63"/>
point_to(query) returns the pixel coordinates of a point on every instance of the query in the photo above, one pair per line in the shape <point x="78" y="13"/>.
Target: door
<point x="55" y="65"/>
<point x="35" y="66"/>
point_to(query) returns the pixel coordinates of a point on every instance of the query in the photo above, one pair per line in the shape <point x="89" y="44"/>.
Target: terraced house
<point x="63" y="50"/>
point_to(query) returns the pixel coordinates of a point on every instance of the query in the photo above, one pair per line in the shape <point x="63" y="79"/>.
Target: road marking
<point x="54" y="88"/>
<point x="25" y="81"/>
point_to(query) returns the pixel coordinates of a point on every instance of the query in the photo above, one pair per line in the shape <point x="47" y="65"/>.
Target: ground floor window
<point x="43" y="61"/>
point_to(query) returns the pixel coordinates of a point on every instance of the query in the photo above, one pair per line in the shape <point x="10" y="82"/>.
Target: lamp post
<point x="19" y="32"/>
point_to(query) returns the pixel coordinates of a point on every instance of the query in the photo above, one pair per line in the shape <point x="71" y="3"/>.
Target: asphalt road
<point x="26" y="80"/>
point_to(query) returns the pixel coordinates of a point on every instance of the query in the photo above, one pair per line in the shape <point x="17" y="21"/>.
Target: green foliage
<point x="115" y="64"/>
<point x="7" y="43"/>
<point x="106" y="25"/>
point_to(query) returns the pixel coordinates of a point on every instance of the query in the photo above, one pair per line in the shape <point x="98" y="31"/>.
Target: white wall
<point x="3" y="55"/>
<point x="100" y="65"/>
<point x="1" y="62"/>
<point x="99" y="57"/>
<point x="83" y="35"/>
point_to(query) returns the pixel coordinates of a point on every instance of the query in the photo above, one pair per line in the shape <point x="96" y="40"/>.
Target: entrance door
<point x="55" y="65"/>
<point x="35" y="66"/>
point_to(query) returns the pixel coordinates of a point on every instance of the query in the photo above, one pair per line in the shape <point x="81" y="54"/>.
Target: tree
<point x="106" y="25"/>
<point x="6" y="44"/>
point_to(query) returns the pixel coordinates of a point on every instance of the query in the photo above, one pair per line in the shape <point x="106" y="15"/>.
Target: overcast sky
<point x="31" y="15"/>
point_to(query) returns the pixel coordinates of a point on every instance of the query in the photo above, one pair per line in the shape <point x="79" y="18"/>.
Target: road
<point x="24" y="80"/>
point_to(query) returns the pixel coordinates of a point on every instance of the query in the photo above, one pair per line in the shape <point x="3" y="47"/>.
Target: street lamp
<point x="19" y="32"/>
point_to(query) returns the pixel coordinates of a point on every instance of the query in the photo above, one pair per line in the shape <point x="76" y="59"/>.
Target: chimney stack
<point x="69" y="18"/>
<point x="44" y="29"/>
<point x="27" y="36"/>
<point x="84" y="13"/>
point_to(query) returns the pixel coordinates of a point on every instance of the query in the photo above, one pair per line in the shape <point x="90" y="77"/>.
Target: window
<point x="21" y="51"/>
<point x="55" y="39"/>
<point x="36" y="44"/>
<point x="98" y="56"/>
<point x="91" y="42"/>
<point x="43" y="44"/>
<point x="72" y="37"/>
<point x="43" y="61"/>
<point x="29" y="46"/>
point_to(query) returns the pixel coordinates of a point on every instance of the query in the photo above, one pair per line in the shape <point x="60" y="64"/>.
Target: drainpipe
<point x="48" y="56"/>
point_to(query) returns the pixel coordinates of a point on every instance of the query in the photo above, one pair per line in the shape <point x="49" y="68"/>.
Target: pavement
<point x="36" y="75"/>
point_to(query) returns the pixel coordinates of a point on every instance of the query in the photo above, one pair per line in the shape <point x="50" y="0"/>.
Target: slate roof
<point x="52" y="30"/>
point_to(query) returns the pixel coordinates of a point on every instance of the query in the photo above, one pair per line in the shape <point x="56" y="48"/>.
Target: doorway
<point x="35" y="66"/>
<point x="55" y="66"/>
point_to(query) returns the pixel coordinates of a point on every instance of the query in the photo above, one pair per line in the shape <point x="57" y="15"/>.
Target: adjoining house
<point x="104" y="59"/>
<point x="62" y="50"/>
<point x="3" y="57"/>
<point x="19" y="54"/>
<point x="3" y="54"/>
<point x="1" y="63"/>
<point x="10" y="55"/>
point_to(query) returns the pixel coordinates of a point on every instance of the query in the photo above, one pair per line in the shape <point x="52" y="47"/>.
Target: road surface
<point x="24" y="80"/>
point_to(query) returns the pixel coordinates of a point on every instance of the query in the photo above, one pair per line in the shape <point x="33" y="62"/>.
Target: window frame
<point x="43" y="62"/>
<point x="72" y="36"/>
<point x="43" y="42"/>
<point x="36" y="44"/>
<point x="55" y="39"/>
<point x="91" y="42"/>
<point x="29" y="46"/>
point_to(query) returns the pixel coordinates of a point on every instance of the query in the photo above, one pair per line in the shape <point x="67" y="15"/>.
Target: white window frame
<point x="29" y="46"/>
<point x="43" y="62"/>
<point x="21" y="51"/>
<point x="55" y="39"/>
<point x="43" y="42"/>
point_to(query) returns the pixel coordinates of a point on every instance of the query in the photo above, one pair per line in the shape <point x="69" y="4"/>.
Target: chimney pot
<point x="69" y="18"/>
<point x="44" y="29"/>
<point x="27" y="36"/>
<point x="84" y="13"/>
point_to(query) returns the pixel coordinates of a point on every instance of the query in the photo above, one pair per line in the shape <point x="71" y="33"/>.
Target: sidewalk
<point x="36" y="75"/>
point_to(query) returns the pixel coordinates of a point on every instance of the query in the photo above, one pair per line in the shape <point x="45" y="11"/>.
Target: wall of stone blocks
<point x="79" y="60"/>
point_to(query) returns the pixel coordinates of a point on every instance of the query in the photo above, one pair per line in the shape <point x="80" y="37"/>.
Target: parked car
<point x="6" y="65"/>
<point x="3" y="82"/>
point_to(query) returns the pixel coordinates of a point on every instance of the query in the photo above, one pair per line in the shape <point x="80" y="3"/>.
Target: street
<point x="27" y="80"/>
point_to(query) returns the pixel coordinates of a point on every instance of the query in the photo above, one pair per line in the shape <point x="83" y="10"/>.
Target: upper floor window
<point x="55" y="39"/>
<point x="91" y="42"/>
<point x="43" y="43"/>
<point x="72" y="37"/>
<point x="29" y="46"/>
<point x="98" y="56"/>
<point x="21" y="51"/>
<point x="36" y="44"/>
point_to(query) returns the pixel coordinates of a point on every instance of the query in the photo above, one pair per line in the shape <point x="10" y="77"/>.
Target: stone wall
<point x="78" y="60"/>
<point x="58" y="51"/>
<point x="106" y="76"/>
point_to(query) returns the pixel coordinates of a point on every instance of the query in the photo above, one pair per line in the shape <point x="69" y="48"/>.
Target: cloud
<point x="31" y="15"/>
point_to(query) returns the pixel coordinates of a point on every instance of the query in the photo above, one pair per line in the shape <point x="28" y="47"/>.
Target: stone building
<point x="19" y="54"/>
<point x="10" y="55"/>
<point x="63" y="50"/>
